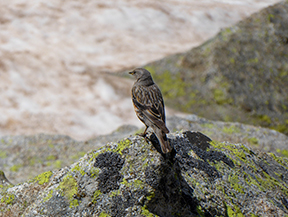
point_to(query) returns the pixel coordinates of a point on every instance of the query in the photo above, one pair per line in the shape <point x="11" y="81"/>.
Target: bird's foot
<point x="142" y="134"/>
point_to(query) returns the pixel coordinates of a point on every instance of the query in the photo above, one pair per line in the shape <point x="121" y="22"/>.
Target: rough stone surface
<point x="257" y="138"/>
<point x="201" y="178"/>
<point x="24" y="157"/>
<point x="239" y="75"/>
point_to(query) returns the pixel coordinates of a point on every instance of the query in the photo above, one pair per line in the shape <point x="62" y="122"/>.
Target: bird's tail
<point x="164" y="143"/>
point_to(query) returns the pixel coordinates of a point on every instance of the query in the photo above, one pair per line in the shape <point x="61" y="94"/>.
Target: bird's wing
<point x="149" y="100"/>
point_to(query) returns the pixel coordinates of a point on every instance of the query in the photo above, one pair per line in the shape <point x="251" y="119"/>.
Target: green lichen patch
<point x="253" y="141"/>
<point x="239" y="151"/>
<point x="57" y="164"/>
<point x="68" y="188"/>
<point x="233" y="211"/>
<point x="282" y="161"/>
<point x="77" y="168"/>
<point x="51" y="157"/>
<point x="8" y="199"/>
<point x="136" y="183"/>
<point x="258" y="173"/>
<point x="74" y="203"/>
<point x="125" y="182"/>
<point x="231" y="129"/>
<point x="96" y="195"/>
<point x="171" y="85"/>
<point x="221" y="97"/>
<point x="122" y="145"/>
<point x="48" y="196"/>
<point x="92" y="155"/>
<point x="151" y="195"/>
<point x="16" y="167"/>
<point x="283" y="152"/>
<point x="200" y="211"/>
<point x="50" y="143"/>
<point x="114" y="193"/>
<point x="94" y="172"/>
<point x="112" y="147"/>
<point x="43" y="178"/>
<point x="3" y="154"/>
<point x="34" y="160"/>
<point x="233" y="179"/>
<point x="78" y="155"/>
<point x="103" y="214"/>
<point x="146" y="212"/>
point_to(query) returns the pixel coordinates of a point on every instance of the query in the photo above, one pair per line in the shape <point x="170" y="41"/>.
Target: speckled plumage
<point x="149" y="106"/>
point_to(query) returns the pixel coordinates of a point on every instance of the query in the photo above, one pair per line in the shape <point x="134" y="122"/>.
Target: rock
<point x="257" y="138"/>
<point x="131" y="178"/>
<point x="24" y="157"/>
<point x="240" y="75"/>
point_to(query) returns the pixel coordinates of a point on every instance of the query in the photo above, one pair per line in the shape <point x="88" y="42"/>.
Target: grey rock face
<point x="131" y="178"/>
<point x="24" y="157"/>
<point x="257" y="138"/>
<point x="239" y="75"/>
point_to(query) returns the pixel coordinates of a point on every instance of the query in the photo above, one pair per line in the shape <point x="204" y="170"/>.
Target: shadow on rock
<point x="199" y="144"/>
<point x="173" y="195"/>
<point x="155" y="142"/>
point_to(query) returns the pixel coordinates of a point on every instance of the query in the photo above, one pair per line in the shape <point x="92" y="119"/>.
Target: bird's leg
<point x="144" y="133"/>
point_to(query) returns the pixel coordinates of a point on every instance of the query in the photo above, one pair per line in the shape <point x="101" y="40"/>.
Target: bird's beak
<point x="132" y="73"/>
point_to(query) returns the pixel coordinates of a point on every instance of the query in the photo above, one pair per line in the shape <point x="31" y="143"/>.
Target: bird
<point x="149" y="106"/>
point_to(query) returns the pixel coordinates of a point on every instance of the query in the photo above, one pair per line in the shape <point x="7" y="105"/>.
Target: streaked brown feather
<point x="149" y="106"/>
<point x="149" y="100"/>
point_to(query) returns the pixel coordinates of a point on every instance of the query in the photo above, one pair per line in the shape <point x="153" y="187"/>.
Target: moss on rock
<point x="44" y="177"/>
<point x="131" y="178"/>
<point x="239" y="75"/>
<point x="68" y="188"/>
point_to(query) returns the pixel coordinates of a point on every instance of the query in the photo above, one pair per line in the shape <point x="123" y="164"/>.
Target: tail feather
<point x="164" y="143"/>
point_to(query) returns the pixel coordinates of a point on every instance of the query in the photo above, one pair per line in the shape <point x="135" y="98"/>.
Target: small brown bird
<point x="149" y="106"/>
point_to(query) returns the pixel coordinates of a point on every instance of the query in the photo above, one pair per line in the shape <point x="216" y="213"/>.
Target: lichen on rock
<point x="201" y="178"/>
<point x="241" y="73"/>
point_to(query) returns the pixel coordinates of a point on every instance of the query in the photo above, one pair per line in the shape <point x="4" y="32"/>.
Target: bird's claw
<point x="142" y="134"/>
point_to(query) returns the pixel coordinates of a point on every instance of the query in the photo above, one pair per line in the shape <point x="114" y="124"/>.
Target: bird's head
<point x="142" y="75"/>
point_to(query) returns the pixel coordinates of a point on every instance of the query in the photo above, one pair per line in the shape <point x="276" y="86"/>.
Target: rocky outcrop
<point x="131" y="178"/>
<point x="24" y="157"/>
<point x="239" y="75"/>
<point x="257" y="138"/>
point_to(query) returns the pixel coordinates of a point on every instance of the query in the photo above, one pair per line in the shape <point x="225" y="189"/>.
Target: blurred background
<point x="57" y="58"/>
